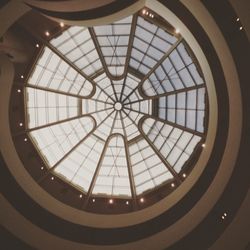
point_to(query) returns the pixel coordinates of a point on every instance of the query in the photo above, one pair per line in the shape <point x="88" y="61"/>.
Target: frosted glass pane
<point x="191" y="119"/>
<point x="200" y="121"/>
<point x="178" y="166"/>
<point x="191" y="99"/>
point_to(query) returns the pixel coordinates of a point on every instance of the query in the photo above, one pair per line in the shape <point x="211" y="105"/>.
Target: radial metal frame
<point x="127" y="69"/>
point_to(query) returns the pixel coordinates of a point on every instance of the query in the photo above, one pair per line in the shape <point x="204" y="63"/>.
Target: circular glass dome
<point x="118" y="110"/>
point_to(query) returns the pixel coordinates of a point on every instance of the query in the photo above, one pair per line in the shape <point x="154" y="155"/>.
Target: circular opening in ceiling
<point x="116" y="112"/>
<point x="118" y="106"/>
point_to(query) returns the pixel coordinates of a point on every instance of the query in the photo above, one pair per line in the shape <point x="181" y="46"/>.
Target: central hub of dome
<point x="118" y="106"/>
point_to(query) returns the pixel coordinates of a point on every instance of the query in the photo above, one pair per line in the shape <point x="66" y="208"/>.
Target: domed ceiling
<point x="123" y="124"/>
<point x="116" y="110"/>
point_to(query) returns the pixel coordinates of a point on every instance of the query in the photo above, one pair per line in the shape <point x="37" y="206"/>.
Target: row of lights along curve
<point x="238" y="20"/>
<point x="22" y="76"/>
<point x="111" y="201"/>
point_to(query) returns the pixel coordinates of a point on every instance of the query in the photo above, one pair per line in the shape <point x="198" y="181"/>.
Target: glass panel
<point x="78" y="49"/>
<point x="171" y="142"/>
<point x="177" y="71"/>
<point x="113" y="175"/>
<point x="113" y="40"/>
<point x="55" y="141"/>
<point x="144" y="162"/>
<point x="51" y="72"/>
<point x="185" y="108"/>
<point x="78" y="168"/>
<point x="45" y="107"/>
<point x="150" y="42"/>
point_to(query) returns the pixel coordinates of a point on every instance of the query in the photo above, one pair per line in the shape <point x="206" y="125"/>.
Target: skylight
<point x="116" y="110"/>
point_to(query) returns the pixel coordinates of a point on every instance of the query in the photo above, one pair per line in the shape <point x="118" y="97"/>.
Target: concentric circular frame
<point x="163" y="116"/>
<point x="223" y="118"/>
<point x="62" y="191"/>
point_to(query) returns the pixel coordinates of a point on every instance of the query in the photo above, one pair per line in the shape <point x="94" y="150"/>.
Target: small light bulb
<point x="47" y="33"/>
<point x="241" y="27"/>
<point x="144" y="12"/>
<point x="20" y="124"/>
<point x="22" y="76"/>
<point x="62" y="24"/>
<point x="19" y="90"/>
<point x="111" y="201"/>
<point x="41" y="168"/>
<point x="127" y="202"/>
<point x="177" y="31"/>
<point x="225" y="214"/>
<point x="142" y="200"/>
<point x="93" y="200"/>
<point x="222" y="217"/>
<point x="52" y="178"/>
<point x="203" y="145"/>
<point x="25" y="139"/>
<point x="172" y="185"/>
<point x="80" y="195"/>
<point x="37" y="45"/>
<point x="238" y="19"/>
<point x="184" y="175"/>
